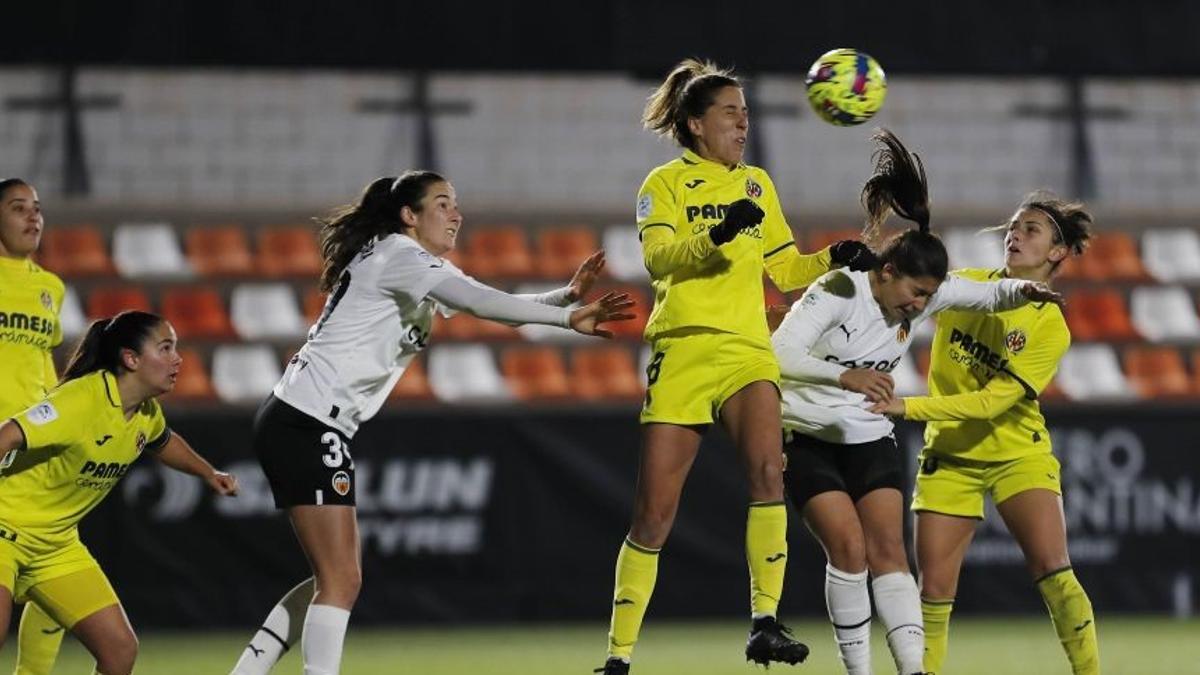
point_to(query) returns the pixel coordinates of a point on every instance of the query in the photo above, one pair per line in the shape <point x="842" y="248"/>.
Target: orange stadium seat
<point x="1099" y="315"/>
<point x="413" y="384"/>
<point x="314" y="304"/>
<point x="1112" y="256"/>
<point x="289" y="251"/>
<point x="1195" y="362"/>
<point x="219" y="251"/>
<point x="560" y="251"/>
<point x="1071" y="269"/>
<point x="193" y="382"/>
<point x="106" y="302"/>
<point x="499" y="251"/>
<point x="604" y="373"/>
<point x="641" y="311"/>
<point x="535" y="373"/>
<point x="464" y="326"/>
<point x="1157" y="372"/>
<point x="75" y="251"/>
<point x="197" y="312"/>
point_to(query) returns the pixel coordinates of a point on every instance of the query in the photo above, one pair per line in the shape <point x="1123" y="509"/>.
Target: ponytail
<point x="100" y="348"/>
<point x="899" y="185"/>
<point x="377" y="213"/>
<point x="688" y="91"/>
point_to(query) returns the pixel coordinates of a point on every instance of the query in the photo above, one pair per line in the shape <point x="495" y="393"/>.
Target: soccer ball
<point x="846" y="87"/>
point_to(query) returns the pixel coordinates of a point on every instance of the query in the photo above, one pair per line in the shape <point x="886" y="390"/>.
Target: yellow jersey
<point x="84" y="445"/>
<point x="698" y="284"/>
<point x="30" y="300"/>
<point x="985" y="375"/>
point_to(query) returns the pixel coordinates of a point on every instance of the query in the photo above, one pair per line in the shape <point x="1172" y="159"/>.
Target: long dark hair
<point x="376" y="213"/>
<point x="100" y="348"/>
<point x="7" y="183"/>
<point x="687" y="92"/>
<point x="898" y="185"/>
<point x="1072" y="221"/>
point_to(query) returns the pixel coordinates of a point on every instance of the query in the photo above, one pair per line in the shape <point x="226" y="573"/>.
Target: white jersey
<point x="838" y="325"/>
<point x="376" y="320"/>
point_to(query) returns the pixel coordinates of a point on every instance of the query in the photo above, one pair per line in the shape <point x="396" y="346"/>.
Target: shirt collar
<point x="691" y="157"/>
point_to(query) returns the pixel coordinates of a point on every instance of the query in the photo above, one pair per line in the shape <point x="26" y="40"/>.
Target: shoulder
<point x="47" y="277"/>
<point x="665" y="174"/>
<point x="841" y="283"/>
<point x="978" y="274"/>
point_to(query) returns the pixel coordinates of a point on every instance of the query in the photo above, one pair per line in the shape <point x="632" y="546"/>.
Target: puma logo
<point x="623" y="601"/>
<point x="1083" y="625"/>
<point x="257" y="652"/>
<point x="847" y="331"/>
<point x="777" y="557"/>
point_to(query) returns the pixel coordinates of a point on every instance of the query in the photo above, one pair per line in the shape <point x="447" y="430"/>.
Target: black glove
<point x="853" y="254"/>
<point x="741" y="214"/>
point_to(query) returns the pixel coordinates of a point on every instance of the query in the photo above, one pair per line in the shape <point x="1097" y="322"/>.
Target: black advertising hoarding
<point x="485" y="515"/>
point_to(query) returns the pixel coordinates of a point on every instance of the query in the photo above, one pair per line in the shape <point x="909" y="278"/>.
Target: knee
<point x="650" y="527"/>
<point x="937" y="586"/>
<point x="847" y="554"/>
<point x="339" y="587"/>
<point x="1040" y="566"/>
<point x="765" y="477"/>
<point x="887" y="556"/>
<point x="119" y="655"/>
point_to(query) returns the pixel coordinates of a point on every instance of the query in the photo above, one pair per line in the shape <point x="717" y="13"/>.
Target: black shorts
<point x="815" y="466"/>
<point x="305" y="461"/>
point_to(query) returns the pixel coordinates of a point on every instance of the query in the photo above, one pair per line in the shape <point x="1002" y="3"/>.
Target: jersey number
<point x="653" y="370"/>
<point x="337" y="452"/>
<point x="339" y="292"/>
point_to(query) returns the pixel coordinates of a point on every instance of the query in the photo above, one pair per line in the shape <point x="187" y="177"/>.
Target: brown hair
<point x="688" y="91"/>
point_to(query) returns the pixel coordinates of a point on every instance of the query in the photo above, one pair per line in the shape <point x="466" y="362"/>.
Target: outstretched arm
<point x="178" y="455"/>
<point x="1000" y="394"/>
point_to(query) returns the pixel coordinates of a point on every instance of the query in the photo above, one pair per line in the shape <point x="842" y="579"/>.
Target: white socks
<point x="324" y="632"/>
<point x="849" y="607"/>
<point x="279" y="632"/>
<point x="898" y="604"/>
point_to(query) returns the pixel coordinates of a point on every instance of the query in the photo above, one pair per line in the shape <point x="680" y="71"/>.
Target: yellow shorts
<point x="956" y="486"/>
<point x="65" y="580"/>
<point x="691" y="375"/>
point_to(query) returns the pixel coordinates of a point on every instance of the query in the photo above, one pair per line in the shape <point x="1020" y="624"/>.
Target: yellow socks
<point x="637" y="568"/>
<point x="1071" y="612"/>
<point x="936" y="616"/>
<point x="766" y="552"/>
<point x="38" y="640"/>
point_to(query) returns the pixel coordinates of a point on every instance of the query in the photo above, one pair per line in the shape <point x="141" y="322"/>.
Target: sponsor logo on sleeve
<point x="42" y="413"/>
<point x="644" y="206"/>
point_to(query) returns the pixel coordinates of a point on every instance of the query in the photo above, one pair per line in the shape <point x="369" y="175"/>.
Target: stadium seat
<point x="1099" y="315"/>
<point x="71" y="315"/>
<point x="1172" y="255"/>
<point x="973" y="247"/>
<point x="413" y="384"/>
<point x="148" y="250"/>
<point x="106" y="302"/>
<point x="498" y="252"/>
<point x="462" y="373"/>
<point x="560" y="251"/>
<point x="623" y="251"/>
<point x="921" y="359"/>
<point x="1195" y="363"/>
<point x="1070" y="269"/>
<point x="289" y="251"/>
<point x="244" y="373"/>
<point x="535" y="373"/>
<point x="1157" y="372"/>
<point x="266" y="311"/>
<point x="465" y="326"/>
<point x="192" y="383"/>
<point x="1091" y="372"/>
<point x="1112" y="256"/>
<point x="1164" y="313"/>
<point x="197" y="312"/>
<point x="604" y="373"/>
<point x="219" y="251"/>
<point x="75" y="251"/>
<point x="818" y="239"/>
<point x="633" y="328"/>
